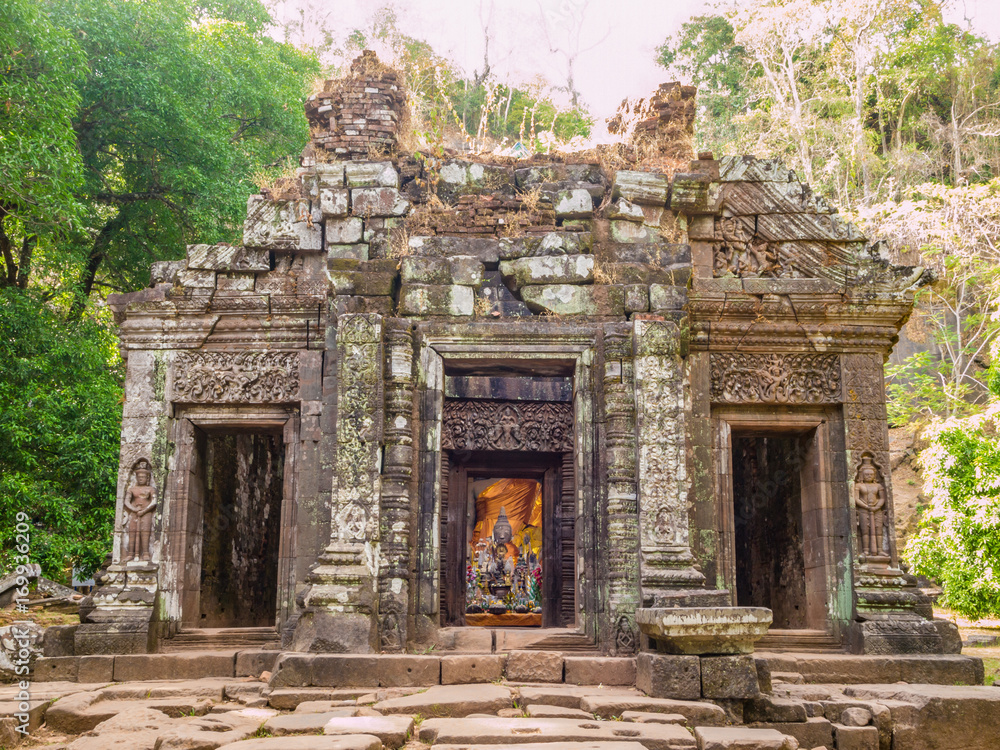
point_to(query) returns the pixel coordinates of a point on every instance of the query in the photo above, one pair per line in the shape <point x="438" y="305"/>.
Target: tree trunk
<point x="24" y="262"/>
<point x="94" y="260"/>
<point x="9" y="277"/>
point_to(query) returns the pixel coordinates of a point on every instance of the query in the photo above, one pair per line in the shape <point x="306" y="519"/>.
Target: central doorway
<point x="507" y="546"/>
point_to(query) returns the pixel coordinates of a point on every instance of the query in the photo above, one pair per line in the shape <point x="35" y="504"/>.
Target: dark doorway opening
<point x="768" y="473"/>
<point x="529" y="547"/>
<point x="243" y="482"/>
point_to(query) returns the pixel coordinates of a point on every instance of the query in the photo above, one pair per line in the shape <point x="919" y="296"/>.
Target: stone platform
<point x="247" y="713"/>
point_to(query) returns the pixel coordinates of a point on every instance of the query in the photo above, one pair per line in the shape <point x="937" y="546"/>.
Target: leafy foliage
<point x="60" y="419"/>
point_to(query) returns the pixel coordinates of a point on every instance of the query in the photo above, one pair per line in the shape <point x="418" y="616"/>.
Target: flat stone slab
<point x="612" y="745"/>
<point x="393" y="731"/>
<point x="704" y="630"/>
<point x="304" y="723"/>
<point x="318" y="707"/>
<point x="847" y="669"/>
<point x="697" y="714"/>
<point x="646" y="717"/>
<point x="450" y="700"/>
<point x="517" y="731"/>
<point x="742" y="738"/>
<point x="355" y="742"/>
<point x="287" y="699"/>
<point x="571" y="696"/>
<point x="536" y="711"/>
<point x="80" y="713"/>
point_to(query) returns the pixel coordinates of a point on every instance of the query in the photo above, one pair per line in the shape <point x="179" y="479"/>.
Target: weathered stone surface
<point x="426" y="299"/>
<point x="361" y="174"/>
<point x="576" y="745"/>
<point x="84" y="711"/>
<point x="695" y="193"/>
<point x="852" y="669"/>
<point x="752" y="169"/>
<point x="536" y="711"/>
<point x="663" y="298"/>
<point x="574" y="204"/>
<point x="344" y="231"/>
<point x="408" y="671"/>
<point x="596" y="670"/>
<point x="459" y="177"/>
<point x="631" y="232"/>
<point x="572" y="696"/>
<point x="354" y="742"/>
<point x="281" y="226"/>
<point x="364" y="283"/>
<point x="392" y="730"/>
<point x="499" y="731"/>
<point x="207" y="732"/>
<point x="742" y="738"/>
<point x="196" y="279"/>
<point x="857" y="738"/>
<point x="463" y="270"/>
<point x="705" y="630"/>
<point x="729" y="677"/>
<point x="486" y="250"/>
<point x="641" y="187"/>
<point x="235" y="282"/>
<point x="183" y="666"/>
<point x="223" y="257"/>
<point x="700" y="714"/>
<point x="319" y="707"/>
<point x="459" y="670"/>
<point x="550" y="243"/>
<point x="325" y="670"/>
<point x="813" y="732"/>
<point x="334" y="204"/>
<point x="772" y="709"/>
<point x="557" y="269"/>
<point x="535" y="666"/>
<point x="668" y="676"/>
<point x="448" y="700"/>
<point x="349" y="252"/>
<point x="55" y="668"/>
<point x="290" y="698"/>
<point x="301" y="723"/>
<point x="253" y="663"/>
<point x="466" y="270"/>
<point x="645" y="717"/>
<point x="855" y="716"/>
<point x="378" y="202"/>
<point x="568" y="299"/>
<point x="636" y="298"/>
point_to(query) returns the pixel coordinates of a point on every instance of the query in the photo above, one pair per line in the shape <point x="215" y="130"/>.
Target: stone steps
<point x="799" y="641"/>
<point x="205" y="639"/>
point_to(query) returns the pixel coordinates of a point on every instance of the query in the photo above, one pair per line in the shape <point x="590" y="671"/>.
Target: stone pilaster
<point x="892" y="614"/>
<point x="341" y="600"/>
<point x="667" y="565"/>
<point x="620" y="512"/>
<point x="397" y="473"/>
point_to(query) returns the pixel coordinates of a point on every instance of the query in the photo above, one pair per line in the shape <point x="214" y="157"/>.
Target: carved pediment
<point x="236" y="377"/>
<point x="740" y="378"/>
<point x="507" y="426"/>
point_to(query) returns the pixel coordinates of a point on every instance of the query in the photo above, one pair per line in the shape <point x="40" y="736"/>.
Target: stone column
<point x="667" y="565"/>
<point x="621" y="522"/>
<point x="397" y="472"/>
<point x="340" y="604"/>
<point x="893" y="615"/>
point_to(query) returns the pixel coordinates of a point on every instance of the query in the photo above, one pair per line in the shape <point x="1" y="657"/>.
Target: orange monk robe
<point x="520" y="498"/>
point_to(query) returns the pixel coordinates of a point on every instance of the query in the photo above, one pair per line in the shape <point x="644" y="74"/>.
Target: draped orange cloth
<point x="520" y="498"/>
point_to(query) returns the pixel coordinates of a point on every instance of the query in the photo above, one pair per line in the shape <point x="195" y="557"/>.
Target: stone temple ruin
<point x="478" y="404"/>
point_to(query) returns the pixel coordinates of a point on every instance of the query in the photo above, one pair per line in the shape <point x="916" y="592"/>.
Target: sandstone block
<point x="663" y="298"/>
<point x="632" y="232"/>
<point x="550" y="243"/>
<point x="94" y="669"/>
<point x="285" y="699"/>
<point x="371" y="174"/>
<point x="624" y="210"/>
<point x="196" y="279"/>
<point x="646" y="717"/>
<point x="353" y="742"/>
<point x="570" y="299"/>
<point x="535" y="666"/>
<point x="458" y="176"/>
<point x="697" y="714"/>
<point x="226" y="258"/>
<point x="536" y="711"/>
<point x="487" y="731"/>
<point x="571" y="696"/>
<point x="325" y="670"/>
<point x="235" y="282"/>
<point x="302" y="723"/>
<point x="344" y="231"/>
<point x="553" y="269"/>
<point x="425" y="299"/>
<point x="334" y="203"/>
<point x="165" y="271"/>
<point x="695" y="193"/>
<point x="283" y="226"/>
<point x="636" y="298"/>
<point x="668" y="676"/>
<point x="641" y="187"/>
<point x="855" y="738"/>
<point x="191" y="666"/>
<point x="324" y="175"/>
<point x="408" y="671"/>
<point x="742" y="738"/>
<point x="392" y="730"/>
<point x="473" y="668"/>
<point x="376" y="202"/>
<point x="450" y="700"/>
<point x="350" y="252"/>
<point x="729" y="677"/>
<point x="752" y="169"/>
<point x="813" y="732"/>
<point x="364" y="283"/>
<point x="55" y="668"/>
<point x="252" y="663"/>
<point x="420" y="269"/>
<point x="855" y="716"/>
<point x="574" y="204"/>
<point x="486" y="250"/>
<point x="466" y="270"/>
<point x="596" y="670"/>
<point x="770" y="709"/>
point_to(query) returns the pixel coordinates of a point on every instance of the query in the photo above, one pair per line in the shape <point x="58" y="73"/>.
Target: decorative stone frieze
<point x="235" y="377"/>
<point x="739" y="378"/>
<point x="507" y="426"/>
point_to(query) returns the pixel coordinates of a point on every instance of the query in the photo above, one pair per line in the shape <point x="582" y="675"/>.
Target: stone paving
<point x="248" y="714"/>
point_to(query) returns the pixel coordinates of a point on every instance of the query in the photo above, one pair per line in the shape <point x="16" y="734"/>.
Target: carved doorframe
<point x="825" y="512"/>
<point x="568" y="349"/>
<point x="181" y="567"/>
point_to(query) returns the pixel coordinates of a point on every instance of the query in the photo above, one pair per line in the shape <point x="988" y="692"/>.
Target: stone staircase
<point x="221" y="639"/>
<point x="799" y="641"/>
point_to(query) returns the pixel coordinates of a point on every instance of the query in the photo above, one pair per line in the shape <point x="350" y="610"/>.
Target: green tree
<point x="60" y="421"/>
<point x="183" y="102"/>
<point x="40" y="166"/>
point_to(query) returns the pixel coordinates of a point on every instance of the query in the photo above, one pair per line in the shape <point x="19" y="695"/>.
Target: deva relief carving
<point x="507" y="426"/>
<point x="140" y="504"/>
<point x="738" y="252"/>
<point x="236" y="377"/>
<point x="739" y="378"/>
<point x="870" y="502"/>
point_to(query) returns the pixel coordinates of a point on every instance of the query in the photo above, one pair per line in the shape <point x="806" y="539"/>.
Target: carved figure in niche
<point x="870" y="501"/>
<point x="140" y="502"/>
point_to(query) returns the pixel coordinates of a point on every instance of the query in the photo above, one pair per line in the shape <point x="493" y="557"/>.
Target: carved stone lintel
<point x="242" y="377"/>
<point x="743" y="378"/>
<point x="507" y="426"/>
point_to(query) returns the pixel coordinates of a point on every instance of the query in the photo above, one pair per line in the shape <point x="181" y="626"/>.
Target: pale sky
<point x="617" y="38"/>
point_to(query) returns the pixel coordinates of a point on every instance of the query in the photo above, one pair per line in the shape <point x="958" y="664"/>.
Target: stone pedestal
<point x="118" y="617"/>
<point x="704" y="630"/>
